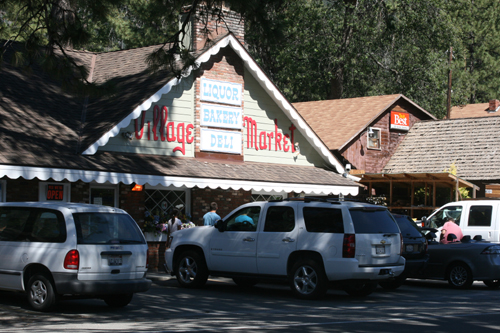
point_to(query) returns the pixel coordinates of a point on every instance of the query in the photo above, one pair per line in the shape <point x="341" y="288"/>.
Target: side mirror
<point x="423" y="220"/>
<point x="220" y="225"/>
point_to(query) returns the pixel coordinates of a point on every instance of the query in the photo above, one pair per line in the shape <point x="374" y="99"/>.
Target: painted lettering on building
<point x="221" y="92"/>
<point x="213" y="115"/>
<point x="275" y="140"/>
<point x="163" y="130"/>
<point x="220" y="141"/>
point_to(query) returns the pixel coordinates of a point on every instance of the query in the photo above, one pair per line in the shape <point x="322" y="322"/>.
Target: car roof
<point x="71" y="206"/>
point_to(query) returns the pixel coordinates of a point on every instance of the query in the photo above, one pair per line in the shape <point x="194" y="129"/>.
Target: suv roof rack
<point x="320" y="199"/>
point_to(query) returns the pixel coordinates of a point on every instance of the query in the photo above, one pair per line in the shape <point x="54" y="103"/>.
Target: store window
<point x="373" y="138"/>
<point x="3" y="187"/>
<point x="268" y="196"/>
<point x="104" y="195"/>
<point x="54" y="192"/>
<point x="161" y="199"/>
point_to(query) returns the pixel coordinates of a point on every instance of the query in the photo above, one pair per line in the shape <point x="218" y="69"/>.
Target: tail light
<point x="349" y="246"/>
<point x="72" y="260"/>
<point x="147" y="258"/>
<point x="402" y="245"/>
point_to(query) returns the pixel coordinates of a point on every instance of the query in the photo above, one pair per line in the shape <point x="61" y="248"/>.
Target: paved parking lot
<point x="418" y="306"/>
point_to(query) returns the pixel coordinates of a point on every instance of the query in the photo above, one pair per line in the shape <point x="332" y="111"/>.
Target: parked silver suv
<point x="311" y="243"/>
<point x="51" y="250"/>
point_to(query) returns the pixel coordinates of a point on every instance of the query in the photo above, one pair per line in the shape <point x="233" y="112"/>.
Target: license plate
<point x="379" y="249"/>
<point x="409" y="248"/>
<point x="115" y="260"/>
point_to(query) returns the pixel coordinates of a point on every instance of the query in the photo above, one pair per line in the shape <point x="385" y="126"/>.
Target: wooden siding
<point x="374" y="160"/>
<point x="261" y="108"/>
<point x="180" y="104"/>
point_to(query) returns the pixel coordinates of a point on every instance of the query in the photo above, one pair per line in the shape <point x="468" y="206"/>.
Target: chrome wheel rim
<point x="38" y="292"/>
<point x="305" y="280"/>
<point x="458" y="275"/>
<point x="187" y="269"/>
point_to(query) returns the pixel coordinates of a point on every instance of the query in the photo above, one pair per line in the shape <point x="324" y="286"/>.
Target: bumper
<point x="68" y="284"/>
<point x="351" y="270"/>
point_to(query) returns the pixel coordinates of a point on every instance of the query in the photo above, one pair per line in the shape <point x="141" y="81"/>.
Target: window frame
<point x="377" y="138"/>
<point x="106" y="185"/>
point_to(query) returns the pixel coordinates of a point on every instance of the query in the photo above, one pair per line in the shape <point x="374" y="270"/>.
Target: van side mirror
<point x="220" y="225"/>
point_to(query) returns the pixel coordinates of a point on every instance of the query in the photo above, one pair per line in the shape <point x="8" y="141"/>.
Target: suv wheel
<point x="360" y="289"/>
<point x="460" y="276"/>
<point x="191" y="270"/>
<point x="309" y="280"/>
<point x="118" y="301"/>
<point x="41" y="294"/>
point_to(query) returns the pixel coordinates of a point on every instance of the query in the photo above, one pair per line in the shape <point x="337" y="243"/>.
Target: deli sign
<point x="400" y="120"/>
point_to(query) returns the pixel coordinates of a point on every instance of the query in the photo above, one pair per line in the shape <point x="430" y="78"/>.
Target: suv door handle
<point x="288" y="240"/>
<point x="249" y="239"/>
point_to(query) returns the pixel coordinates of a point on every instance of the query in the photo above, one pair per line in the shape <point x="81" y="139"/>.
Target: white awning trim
<point x="270" y="88"/>
<point x="71" y="175"/>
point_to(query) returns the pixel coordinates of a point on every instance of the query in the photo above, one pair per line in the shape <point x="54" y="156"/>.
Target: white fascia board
<point x="71" y="175"/>
<point x="270" y="88"/>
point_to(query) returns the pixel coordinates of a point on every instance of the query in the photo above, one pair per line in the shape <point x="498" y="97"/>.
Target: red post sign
<point x="400" y="120"/>
<point x="55" y="192"/>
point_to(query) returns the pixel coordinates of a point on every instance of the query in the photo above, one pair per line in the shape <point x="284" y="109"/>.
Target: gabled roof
<point x="338" y="121"/>
<point x="472" y="145"/>
<point x="472" y="111"/>
<point x="41" y="132"/>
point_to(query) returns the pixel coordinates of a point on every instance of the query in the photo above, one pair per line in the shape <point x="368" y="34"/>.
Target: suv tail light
<point x="147" y="258"/>
<point x="349" y="247"/>
<point x="72" y="260"/>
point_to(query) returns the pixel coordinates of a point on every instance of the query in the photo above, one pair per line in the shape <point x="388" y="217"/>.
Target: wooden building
<point x="364" y="131"/>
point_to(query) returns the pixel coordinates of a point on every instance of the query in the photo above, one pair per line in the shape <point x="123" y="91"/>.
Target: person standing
<point x="174" y="223"/>
<point x="211" y="217"/>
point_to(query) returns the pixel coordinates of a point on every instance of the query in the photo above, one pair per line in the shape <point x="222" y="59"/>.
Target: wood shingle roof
<point x="471" y="144"/>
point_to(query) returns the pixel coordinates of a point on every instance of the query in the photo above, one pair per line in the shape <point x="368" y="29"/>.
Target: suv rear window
<point x="107" y="228"/>
<point x="408" y="227"/>
<point x="323" y="220"/>
<point x="373" y="221"/>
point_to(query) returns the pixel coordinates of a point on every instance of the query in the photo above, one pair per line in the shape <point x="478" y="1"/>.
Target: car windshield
<point x="407" y="226"/>
<point x="107" y="228"/>
<point x="438" y="219"/>
<point x="373" y="221"/>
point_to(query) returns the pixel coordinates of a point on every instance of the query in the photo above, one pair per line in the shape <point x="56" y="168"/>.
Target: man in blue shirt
<point x="211" y="217"/>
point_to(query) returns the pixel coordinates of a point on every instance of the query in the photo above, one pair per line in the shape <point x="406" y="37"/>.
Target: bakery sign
<point x="221" y="117"/>
<point x="400" y="120"/>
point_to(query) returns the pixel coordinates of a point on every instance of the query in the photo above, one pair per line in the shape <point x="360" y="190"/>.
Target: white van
<point x="54" y="250"/>
<point x="476" y="217"/>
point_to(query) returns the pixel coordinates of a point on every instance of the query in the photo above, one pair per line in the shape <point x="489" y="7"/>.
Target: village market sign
<point x="222" y="124"/>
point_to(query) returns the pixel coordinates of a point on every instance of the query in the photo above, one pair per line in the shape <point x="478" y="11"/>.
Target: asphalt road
<point x="418" y="306"/>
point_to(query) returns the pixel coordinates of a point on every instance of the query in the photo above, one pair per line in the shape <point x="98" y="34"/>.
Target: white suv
<point x="311" y="243"/>
<point x="51" y="250"/>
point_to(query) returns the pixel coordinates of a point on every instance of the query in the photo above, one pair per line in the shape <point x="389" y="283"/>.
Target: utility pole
<point x="448" y="106"/>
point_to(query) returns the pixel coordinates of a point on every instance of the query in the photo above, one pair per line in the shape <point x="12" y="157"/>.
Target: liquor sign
<point x="221" y="92"/>
<point x="213" y="115"/>
<point x="220" y="141"/>
<point x="55" y="192"/>
<point x="400" y="120"/>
